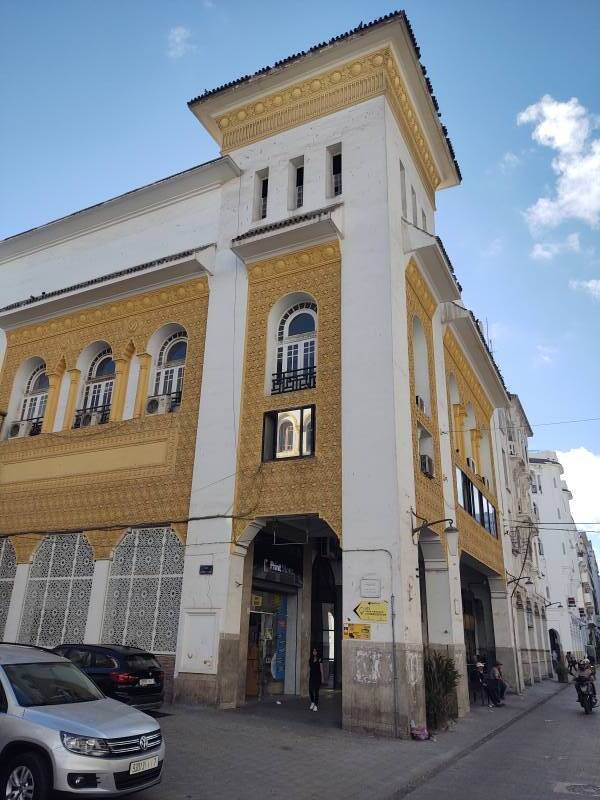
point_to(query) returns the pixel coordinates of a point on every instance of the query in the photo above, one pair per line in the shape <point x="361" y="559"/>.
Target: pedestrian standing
<point x="499" y="683"/>
<point x="315" y="678"/>
<point x="571" y="662"/>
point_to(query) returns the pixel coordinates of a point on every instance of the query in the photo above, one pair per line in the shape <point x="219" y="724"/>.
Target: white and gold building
<point x="246" y="408"/>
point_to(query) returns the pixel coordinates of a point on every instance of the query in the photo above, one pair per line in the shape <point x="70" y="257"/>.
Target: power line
<point x="490" y="428"/>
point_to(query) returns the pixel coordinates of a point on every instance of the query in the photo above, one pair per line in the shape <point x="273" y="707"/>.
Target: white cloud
<point x="566" y="127"/>
<point x="493" y="249"/>
<point x="179" y="42"/>
<point x="582" y="474"/>
<point x="545" y="355"/>
<point x="208" y="4"/>
<point x="545" y="251"/>
<point x="509" y="161"/>
<point x="592" y="287"/>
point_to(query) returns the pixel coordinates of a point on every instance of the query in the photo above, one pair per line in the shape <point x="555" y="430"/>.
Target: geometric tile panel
<point x="8" y="568"/>
<point x="144" y="591"/>
<point x="58" y="592"/>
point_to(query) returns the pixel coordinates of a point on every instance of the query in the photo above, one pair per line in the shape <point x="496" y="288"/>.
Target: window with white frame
<point x="100" y="381"/>
<point x="58" y="592"/>
<point x="334" y="159"/>
<point x="261" y="193"/>
<point x="296" y="349"/>
<point x="36" y="395"/>
<point x="289" y="434"/>
<point x="144" y="591"/>
<point x="403" y="200"/>
<point x="170" y="368"/>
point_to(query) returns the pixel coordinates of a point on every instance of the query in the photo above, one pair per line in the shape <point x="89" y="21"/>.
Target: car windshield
<point x="50" y="683"/>
<point x="141" y="661"/>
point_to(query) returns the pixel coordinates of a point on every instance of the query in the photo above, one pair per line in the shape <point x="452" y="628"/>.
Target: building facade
<point x="562" y="553"/>
<point x="248" y="413"/>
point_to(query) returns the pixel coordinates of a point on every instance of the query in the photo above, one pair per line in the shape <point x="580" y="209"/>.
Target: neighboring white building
<point x="522" y="548"/>
<point x="560" y="540"/>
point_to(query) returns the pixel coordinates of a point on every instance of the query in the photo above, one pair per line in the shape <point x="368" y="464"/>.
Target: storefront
<point x="274" y="631"/>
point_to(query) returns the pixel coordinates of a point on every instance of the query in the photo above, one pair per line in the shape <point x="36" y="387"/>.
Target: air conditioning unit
<point x="420" y="403"/>
<point x="512" y="450"/>
<point x="427" y="466"/>
<point x="470" y="464"/>
<point x="534" y="488"/>
<point x="159" y="404"/>
<point x="18" y="429"/>
<point x="91" y="418"/>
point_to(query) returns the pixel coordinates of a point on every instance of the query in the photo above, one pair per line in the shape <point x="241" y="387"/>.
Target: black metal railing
<point x="36" y="426"/>
<point x="293" y="380"/>
<point x="175" y="400"/>
<point x="84" y="417"/>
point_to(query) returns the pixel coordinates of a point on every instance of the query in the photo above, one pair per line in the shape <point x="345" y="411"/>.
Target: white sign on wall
<point x="370" y="587"/>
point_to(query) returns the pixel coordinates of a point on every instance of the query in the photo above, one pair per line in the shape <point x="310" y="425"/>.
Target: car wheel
<point x="24" y="777"/>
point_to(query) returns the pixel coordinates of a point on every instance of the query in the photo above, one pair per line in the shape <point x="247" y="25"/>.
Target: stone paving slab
<point x="297" y="755"/>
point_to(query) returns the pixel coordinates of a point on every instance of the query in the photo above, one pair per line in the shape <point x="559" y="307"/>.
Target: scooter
<point x="585" y="694"/>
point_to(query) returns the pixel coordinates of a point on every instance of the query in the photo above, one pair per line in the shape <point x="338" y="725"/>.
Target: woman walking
<point x="315" y="678"/>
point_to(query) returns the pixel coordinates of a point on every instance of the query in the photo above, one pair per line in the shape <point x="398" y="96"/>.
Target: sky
<point x="93" y="103"/>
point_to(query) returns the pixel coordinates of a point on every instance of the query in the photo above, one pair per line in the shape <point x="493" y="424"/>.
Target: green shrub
<point x="441" y="679"/>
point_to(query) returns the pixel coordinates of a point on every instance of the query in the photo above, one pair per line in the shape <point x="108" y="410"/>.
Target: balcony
<point x="26" y="427"/>
<point x="293" y="380"/>
<point x="88" y="417"/>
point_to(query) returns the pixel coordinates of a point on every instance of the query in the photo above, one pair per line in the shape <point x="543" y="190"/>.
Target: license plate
<point x="147" y="681"/>
<point x="141" y="766"/>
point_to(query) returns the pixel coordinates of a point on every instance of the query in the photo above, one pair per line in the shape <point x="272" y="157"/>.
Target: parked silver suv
<point x="58" y="731"/>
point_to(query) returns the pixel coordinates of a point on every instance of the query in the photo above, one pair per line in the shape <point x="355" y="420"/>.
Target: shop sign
<point x="256" y="601"/>
<point x="353" y="630"/>
<point x="372" y="611"/>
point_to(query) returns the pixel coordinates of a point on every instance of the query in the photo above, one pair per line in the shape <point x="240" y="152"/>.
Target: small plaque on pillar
<point x="206" y="569"/>
<point x="370" y="587"/>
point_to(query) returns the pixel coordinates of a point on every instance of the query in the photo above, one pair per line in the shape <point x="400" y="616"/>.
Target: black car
<point x="128" y="674"/>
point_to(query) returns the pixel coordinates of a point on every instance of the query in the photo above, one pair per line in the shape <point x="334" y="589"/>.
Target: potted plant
<point x="441" y="679"/>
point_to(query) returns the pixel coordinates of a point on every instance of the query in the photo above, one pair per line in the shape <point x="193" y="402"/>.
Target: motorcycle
<point x="585" y="694"/>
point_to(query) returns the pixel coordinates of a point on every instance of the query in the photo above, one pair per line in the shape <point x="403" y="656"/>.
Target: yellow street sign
<point x="372" y="611"/>
<point x="353" y="630"/>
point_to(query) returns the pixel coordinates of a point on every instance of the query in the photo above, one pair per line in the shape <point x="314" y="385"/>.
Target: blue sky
<point x="94" y="103"/>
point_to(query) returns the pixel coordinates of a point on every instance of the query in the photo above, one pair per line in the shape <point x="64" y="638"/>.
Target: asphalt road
<point x="553" y="753"/>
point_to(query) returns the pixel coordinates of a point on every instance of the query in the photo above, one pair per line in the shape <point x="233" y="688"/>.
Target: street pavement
<point x="550" y="754"/>
<point x="527" y="749"/>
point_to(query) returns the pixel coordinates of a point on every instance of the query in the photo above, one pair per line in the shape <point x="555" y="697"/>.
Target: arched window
<point x="36" y="395"/>
<point x="285" y="436"/>
<point x="296" y="349"/>
<point x="421" y="367"/>
<point x="170" y="368"/>
<point x="98" y="391"/>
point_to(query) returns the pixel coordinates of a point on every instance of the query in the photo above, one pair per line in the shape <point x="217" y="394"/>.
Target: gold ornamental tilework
<point x="474" y="539"/>
<point x="354" y="82"/>
<point x="144" y="465"/>
<point x="303" y="485"/>
<point x="421" y="303"/>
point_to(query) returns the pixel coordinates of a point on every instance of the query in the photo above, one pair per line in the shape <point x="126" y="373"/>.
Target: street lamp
<point x="450" y="532"/>
<point x="558" y="604"/>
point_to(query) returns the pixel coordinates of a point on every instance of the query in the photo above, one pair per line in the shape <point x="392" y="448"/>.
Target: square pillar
<point x="95" y="618"/>
<point x="17" y="600"/>
<point x="504" y="640"/>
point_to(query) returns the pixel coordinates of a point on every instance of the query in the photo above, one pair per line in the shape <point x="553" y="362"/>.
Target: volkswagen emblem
<point x="143" y="743"/>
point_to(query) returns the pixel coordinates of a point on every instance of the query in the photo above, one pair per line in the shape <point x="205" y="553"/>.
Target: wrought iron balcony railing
<point x="293" y="380"/>
<point x="86" y="417"/>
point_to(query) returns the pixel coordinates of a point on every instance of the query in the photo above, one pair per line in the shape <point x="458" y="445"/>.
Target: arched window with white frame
<point x="296" y="349"/>
<point x="170" y="368"/>
<point x="97" y="390"/>
<point x="35" y="396"/>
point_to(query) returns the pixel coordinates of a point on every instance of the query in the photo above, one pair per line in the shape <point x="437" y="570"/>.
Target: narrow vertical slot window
<point x="413" y="198"/>
<point x="261" y="194"/>
<point x="334" y="159"/>
<point x="299" y="194"/>
<point x="403" y="191"/>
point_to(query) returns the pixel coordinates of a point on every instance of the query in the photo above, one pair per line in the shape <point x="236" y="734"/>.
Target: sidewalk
<point x="275" y="752"/>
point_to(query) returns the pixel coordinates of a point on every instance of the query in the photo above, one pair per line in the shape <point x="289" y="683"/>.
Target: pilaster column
<point x="145" y="360"/>
<point x="93" y="626"/>
<point x="504" y="642"/>
<point x="74" y="376"/>
<point x="54" y="379"/>
<point x="476" y="448"/>
<point x="17" y="599"/>
<point x="119" y="388"/>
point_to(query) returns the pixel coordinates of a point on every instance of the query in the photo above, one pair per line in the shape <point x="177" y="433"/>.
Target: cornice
<point x="358" y="80"/>
<point x="455" y="351"/>
<point x="109" y="312"/>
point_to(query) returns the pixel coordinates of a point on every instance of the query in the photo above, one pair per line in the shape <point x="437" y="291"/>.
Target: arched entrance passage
<point x="291" y="600"/>
<point x="555" y="645"/>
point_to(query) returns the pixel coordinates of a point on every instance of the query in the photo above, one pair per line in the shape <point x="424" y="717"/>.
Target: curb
<point x="419" y="780"/>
